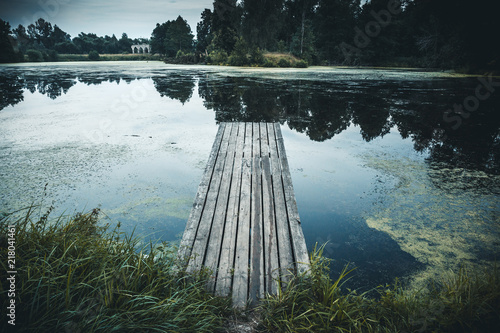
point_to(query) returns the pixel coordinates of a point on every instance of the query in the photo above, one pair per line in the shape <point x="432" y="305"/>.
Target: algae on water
<point x="442" y="227"/>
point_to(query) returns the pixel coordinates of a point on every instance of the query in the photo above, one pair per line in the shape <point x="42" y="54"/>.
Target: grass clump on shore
<point x="461" y="302"/>
<point x="256" y="58"/>
<point x="74" y="275"/>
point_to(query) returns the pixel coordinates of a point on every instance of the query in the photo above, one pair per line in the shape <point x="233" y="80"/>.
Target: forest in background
<point x="448" y="34"/>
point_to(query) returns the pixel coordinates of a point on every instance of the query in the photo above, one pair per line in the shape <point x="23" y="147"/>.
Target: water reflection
<point x="52" y="85"/>
<point x="175" y="86"/>
<point x="89" y="79"/>
<point x="321" y="109"/>
<point x="11" y="91"/>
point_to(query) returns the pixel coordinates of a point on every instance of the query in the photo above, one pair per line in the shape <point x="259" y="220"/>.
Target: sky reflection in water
<point x="377" y="172"/>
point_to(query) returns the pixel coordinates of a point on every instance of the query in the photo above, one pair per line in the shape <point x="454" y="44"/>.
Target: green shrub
<point x="34" y="55"/>
<point x="239" y="55"/>
<point x="94" y="55"/>
<point x="52" y="55"/>
<point x="183" y="58"/>
<point x="284" y="63"/>
<point x="256" y="56"/>
<point x="301" y="64"/>
<point x="269" y="63"/>
<point x="179" y="54"/>
<point x="235" y="60"/>
<point x="217" y="57"/>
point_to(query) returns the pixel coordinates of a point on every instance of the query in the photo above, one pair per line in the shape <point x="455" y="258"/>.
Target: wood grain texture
<point x="244" y="225"/>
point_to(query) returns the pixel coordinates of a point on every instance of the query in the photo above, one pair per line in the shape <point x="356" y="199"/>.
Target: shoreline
<point x="83" y="58"/>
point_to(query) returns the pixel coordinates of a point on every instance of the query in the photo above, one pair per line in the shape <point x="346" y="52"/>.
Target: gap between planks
<point x="244" y="225"/>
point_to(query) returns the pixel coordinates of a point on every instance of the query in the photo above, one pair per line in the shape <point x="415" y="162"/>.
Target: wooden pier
<point x="244" y="225"/>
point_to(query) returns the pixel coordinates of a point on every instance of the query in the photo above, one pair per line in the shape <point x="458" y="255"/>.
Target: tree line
<point x="41" y="41"/>
<point x="420" y="33"/>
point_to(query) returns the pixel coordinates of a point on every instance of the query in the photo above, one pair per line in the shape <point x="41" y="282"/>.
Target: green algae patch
<point x="154" y="208"/>
<point x="445" y="227"/>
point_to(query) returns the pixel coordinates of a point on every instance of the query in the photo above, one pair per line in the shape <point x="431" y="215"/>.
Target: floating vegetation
<point x="444" y="227"/>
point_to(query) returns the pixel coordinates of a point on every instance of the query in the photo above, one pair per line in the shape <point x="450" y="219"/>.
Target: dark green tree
<point x="22" y="38"/>
<point x="226" y="21"/>
<point x="111" y="44"/>
<point x="453" y="34"/>
<point x="204" y="33"/>
<point x="158" y="38"/>
<point x="261" y="22"/>
<point x="303" y="42"/>
<point x="67" y="48"/>
<point x="333" y="25"/>
<point x="293" y="22"/>
<point x="379" y="36"/>
<point x="7" y="54"/>
<point x="41" y="31"/>
<point x="178" y="37"/>
<point x="88" y="42"/>
<point x="124" y="44"/>
<point x="58" y="36"/>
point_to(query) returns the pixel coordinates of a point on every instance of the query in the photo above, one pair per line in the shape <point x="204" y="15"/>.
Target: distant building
<point x="141" y="48"/>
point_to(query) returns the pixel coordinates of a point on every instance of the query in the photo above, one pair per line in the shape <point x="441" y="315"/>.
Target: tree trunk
<point x="302" y="37"/>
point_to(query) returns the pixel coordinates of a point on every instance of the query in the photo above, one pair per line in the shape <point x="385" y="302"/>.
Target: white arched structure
<point x="146" y="48"/>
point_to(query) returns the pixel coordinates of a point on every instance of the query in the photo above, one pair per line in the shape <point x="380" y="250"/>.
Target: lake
<point x="383" y="171"/>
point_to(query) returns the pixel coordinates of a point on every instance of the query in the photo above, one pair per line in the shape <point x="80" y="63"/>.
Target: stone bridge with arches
<point x="141" y="48"/>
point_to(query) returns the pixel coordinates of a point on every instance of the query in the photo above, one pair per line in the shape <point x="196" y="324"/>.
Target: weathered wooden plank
<point x="298" y="242"/>
<point x="282" y="225"/>
<point x="216" y="231"/>
<point x="201" y="239"/>
<point x="271" y="261"/>
<point x="256" y="285"/>
<point x="242" y="251"/>
<point x="244" y="225"/>
<point x="270" y="245"/>
<point x="191" y="229"/>
<point x="225" y="273"/>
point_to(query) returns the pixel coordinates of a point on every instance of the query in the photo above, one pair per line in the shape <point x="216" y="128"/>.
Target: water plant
<point x="313" y="302"/>
<point x="77" y="274"/>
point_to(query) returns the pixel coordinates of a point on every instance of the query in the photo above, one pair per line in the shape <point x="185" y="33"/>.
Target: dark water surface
<point x="383" y="169"/>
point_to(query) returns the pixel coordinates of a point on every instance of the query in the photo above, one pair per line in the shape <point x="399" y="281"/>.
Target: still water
<point x="397" y="185"/>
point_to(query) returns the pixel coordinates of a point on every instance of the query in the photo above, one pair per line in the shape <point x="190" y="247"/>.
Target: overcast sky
<point x="137" y="18"/>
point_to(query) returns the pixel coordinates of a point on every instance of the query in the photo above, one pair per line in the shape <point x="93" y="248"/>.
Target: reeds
<point x="77" y="276"/>
<point x="313" y="302"/>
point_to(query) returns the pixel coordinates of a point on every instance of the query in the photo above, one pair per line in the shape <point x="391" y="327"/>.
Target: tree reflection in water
<point x="466" y="158"/>
<point x="321" y="109"/>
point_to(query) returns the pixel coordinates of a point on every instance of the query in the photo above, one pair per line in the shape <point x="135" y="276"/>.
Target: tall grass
<point x="77" y="276"/>
<point x="313" y="302"/>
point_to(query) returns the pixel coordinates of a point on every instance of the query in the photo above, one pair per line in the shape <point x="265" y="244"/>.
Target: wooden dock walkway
<point x="244" y="225"/>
